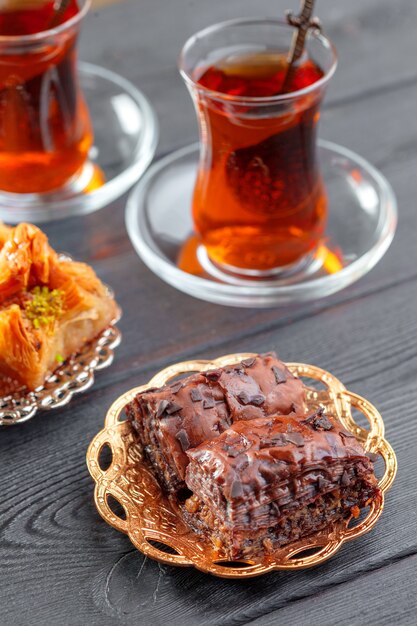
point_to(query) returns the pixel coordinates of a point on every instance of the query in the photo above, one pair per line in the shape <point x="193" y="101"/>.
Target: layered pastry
<point x="271" y="481"/>
<point x="49" y="307"/>
<point x="178" y="417"/>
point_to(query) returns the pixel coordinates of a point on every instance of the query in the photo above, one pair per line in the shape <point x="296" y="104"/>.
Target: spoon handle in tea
<point x="302" y="23"/>
<point x="60" y="7"/>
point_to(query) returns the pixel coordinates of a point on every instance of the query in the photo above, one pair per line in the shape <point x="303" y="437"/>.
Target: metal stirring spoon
<point x="60" y="7"/>
<point x="302" y="24"/>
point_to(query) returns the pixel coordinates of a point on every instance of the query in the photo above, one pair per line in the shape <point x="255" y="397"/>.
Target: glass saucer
<point x="362" y="223"/>
<point x="125" y="138"/>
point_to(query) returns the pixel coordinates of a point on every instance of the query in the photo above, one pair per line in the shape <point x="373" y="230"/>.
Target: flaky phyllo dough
<point x="49" y="307"/>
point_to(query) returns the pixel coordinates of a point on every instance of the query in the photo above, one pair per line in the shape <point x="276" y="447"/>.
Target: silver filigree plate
<point x="74" y="376"/>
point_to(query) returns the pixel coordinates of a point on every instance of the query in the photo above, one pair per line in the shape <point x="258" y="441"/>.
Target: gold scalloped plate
<point x="153" y="524"/>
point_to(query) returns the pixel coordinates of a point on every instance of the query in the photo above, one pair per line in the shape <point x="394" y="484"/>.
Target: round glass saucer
<point x="125" y="139"/>
<point x="361" y="226"/>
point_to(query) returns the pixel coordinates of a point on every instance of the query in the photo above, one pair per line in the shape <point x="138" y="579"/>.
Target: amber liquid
<point x="45" y="131"/>
<point x="259" y="201"/>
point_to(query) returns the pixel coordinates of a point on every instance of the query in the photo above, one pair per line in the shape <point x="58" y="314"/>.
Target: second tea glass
<point x="259" y="204"/>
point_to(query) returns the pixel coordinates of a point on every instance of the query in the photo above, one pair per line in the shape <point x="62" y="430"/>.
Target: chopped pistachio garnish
<point x="43" y="306"/>
<point x="59" y="359"/>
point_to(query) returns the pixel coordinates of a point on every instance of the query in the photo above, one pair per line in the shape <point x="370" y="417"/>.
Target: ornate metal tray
<point x="18" y="405"/>
<point x="152" y="522"/>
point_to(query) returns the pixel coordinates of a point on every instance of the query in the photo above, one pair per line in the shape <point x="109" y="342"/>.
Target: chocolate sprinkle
<point x="213" y="375"/>
<point x="278" y="440"/>
<point x="173" y="407"/>
<point x="257" y="400"/>
<point x="322" y="483"/>
<point x="249" y="362"/>
<point x="296" y="438"/>
<point x="318" y="420"/>
<point x="175" y="388"/>
<point x="209" y="403"/>
<point x="317" y="413"/>
<point x="230" y="451"/>
<point x="183" y="440"/>
<point x="345" y="435"/>
<point x="345" y="479"/>
<point x="280" y="376"/>
<point x="236" y="490"/>
<point x="323" y="423"/>
<point x="196" y="395"/>
<point x="162" y="405"/>
<point x="243" y="397"/>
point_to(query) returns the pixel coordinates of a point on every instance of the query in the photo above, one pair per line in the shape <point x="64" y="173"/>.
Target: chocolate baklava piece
<point x="271" y="481"/>
<point x="180" y="416"/>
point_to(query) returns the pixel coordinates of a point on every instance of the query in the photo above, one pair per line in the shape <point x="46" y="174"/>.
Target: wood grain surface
<point x="59" y="562"/>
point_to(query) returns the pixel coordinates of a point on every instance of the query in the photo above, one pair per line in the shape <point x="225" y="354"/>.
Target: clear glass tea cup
<point x="259" y="204"/>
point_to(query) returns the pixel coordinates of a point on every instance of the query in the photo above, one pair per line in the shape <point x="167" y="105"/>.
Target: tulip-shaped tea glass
<point x="45" y="129"/>
<point x="259" y="204"/>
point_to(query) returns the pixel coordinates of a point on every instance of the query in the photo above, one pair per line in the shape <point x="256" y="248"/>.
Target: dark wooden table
<point x="59" y="562"/>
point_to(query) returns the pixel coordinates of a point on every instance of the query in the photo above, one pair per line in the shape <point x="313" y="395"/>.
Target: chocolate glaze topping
<point x="261" y="472"/>
<point x="204" y="405"/>
<point x="279" y="459"/>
